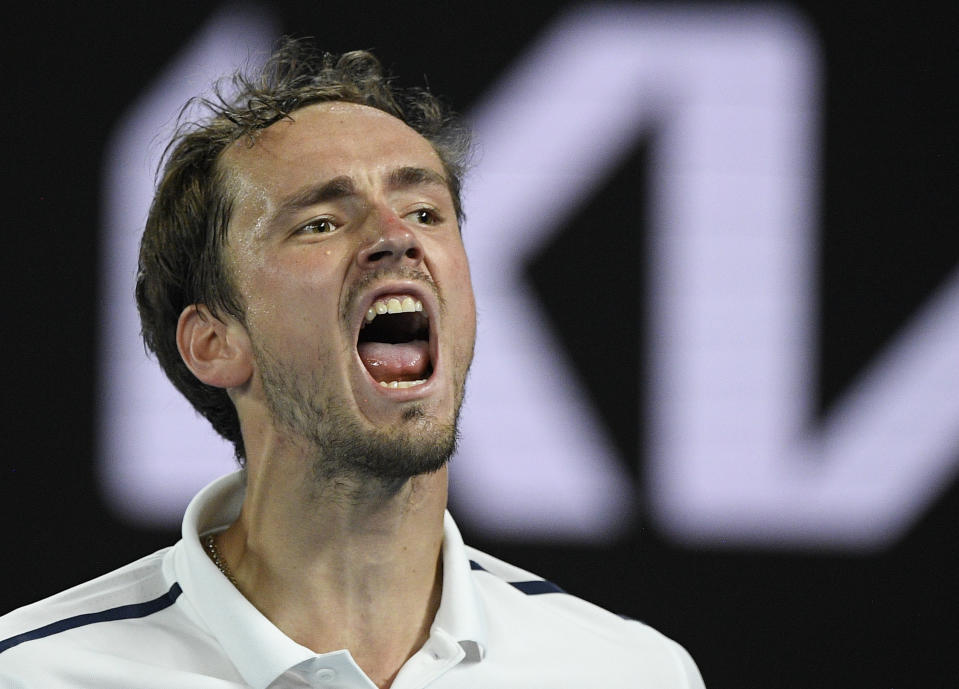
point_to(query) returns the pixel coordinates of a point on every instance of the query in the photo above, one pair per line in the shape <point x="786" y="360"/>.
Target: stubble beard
<point x="342" y="449"/>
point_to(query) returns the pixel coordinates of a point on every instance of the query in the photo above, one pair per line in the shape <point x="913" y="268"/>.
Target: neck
<point x="344" y="564"/>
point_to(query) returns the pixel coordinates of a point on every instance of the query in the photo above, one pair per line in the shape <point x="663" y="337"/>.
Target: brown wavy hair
<point x="181" y="251"/>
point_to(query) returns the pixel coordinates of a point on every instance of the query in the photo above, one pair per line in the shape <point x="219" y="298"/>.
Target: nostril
<point x="390" y="247"/>
<point x="377" y="255"/>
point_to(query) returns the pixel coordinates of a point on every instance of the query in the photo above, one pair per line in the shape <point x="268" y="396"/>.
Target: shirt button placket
<point x="324" y="675"/>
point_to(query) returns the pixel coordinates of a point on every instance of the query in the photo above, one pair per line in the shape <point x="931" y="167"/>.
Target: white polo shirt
<point x="173" y="621"/>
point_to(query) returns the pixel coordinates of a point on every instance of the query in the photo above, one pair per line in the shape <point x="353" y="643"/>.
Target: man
<point x="303" y="282"/>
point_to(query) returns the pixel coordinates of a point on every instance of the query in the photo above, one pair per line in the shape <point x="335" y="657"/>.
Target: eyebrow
<point x="336" y="188"/>
<point x="404" y="177"/>
<point x="344" y="187"/>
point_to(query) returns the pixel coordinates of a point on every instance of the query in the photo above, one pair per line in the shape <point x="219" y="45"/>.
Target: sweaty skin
<point x="334" y="208"/>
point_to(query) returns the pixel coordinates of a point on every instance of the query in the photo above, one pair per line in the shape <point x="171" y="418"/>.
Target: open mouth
<point x="394" y="342"/>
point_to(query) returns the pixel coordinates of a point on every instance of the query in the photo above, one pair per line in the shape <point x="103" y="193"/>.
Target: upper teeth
<point x="393" y="305"/>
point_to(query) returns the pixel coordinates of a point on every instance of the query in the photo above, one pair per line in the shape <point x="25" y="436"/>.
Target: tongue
<point x="403" y="361"/>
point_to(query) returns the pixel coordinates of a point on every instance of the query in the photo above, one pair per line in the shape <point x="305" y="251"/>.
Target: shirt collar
<point x="258" y="649"/>
<point x="460" y="614"/>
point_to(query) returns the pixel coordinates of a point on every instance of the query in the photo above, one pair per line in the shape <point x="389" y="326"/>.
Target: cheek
<point x="462" y="302"/>
<point x="300" y="276"/>
<point x="293" y="306"/>
<point x="459" y="284"/>
<point x="449" y="257"/>
<point x="464" y="283"/>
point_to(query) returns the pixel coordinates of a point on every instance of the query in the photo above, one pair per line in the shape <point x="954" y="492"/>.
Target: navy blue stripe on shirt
<point x="536" y="587"/>
<point x="122" y="612"/>
<point x="530" y="588"/>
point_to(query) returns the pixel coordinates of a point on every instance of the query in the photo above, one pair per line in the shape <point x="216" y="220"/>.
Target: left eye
<point x="424" y="216"/>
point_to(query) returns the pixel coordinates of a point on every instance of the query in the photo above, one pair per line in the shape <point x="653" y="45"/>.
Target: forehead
<point x="326" y="140"/>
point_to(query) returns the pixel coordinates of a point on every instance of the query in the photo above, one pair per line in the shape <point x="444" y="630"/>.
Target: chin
<point x="418" y="445"/>
<point x="380" y="437"/>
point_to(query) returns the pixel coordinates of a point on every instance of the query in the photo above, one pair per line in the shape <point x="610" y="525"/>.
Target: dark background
<point x="751" y="618"/>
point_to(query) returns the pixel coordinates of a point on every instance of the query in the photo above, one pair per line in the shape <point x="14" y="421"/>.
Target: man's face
<point x="345" y="248"/>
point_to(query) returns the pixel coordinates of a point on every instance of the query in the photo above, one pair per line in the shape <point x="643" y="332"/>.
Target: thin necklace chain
<point x="209" y="542"/>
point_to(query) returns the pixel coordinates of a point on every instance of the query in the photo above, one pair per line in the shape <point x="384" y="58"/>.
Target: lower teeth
<point x="401" y="383"/>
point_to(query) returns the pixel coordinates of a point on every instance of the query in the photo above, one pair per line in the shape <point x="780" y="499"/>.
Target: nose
<point x="392" y="243"/>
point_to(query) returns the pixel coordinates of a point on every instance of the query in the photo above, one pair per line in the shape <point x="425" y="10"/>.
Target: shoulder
<point x="533" y="613"/>
<point x="72" y="619"/>
<point x="506" y="583"/>
<point x="135" y="583"/>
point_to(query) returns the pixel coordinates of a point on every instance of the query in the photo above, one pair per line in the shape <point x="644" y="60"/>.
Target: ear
<point x="217" y="352"/>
